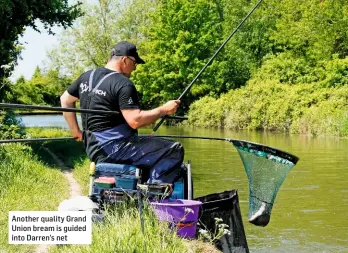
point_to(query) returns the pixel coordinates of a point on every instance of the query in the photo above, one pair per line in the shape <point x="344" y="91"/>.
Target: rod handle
<point x="159" y="124"/>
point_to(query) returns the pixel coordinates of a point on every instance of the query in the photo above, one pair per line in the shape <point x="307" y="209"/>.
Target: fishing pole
<point x="56" y="109"/>
<point x="241" y="144"/>
<point x="208" y="63"/>
<point x="37" y="139"/>
<point x="61" y="109"/>
<point x="72" y="138"/>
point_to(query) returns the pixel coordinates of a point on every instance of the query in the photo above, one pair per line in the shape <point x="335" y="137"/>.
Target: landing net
<point x="266" y="169"/>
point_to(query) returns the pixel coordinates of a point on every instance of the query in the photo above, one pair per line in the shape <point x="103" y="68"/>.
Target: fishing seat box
<point x="105" y="182"/>
<point x="126" y="179"/>
<point x="125" y="176"/>
<point x="126" y="182"/>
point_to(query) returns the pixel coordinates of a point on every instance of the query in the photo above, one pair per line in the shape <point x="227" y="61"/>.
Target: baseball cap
<point x="125" y="48"/>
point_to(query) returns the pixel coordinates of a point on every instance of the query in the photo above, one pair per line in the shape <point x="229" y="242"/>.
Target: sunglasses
<point x="134" y="61"/>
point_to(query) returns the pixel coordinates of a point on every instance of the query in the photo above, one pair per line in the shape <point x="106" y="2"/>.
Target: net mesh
<point x="266" y="169"/>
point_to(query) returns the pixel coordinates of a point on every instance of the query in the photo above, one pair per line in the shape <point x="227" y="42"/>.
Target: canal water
<point x="310" y="212"/>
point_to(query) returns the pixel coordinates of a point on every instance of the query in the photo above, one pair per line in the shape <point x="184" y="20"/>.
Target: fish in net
<point x="266" y="169"/>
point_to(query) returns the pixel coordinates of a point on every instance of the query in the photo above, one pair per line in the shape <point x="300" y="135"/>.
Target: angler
<point x="114" y="138"/>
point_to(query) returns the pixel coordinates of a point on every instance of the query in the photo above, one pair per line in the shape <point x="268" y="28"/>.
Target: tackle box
<point x="123" y="178"/>
<point x="105" y="182"/>
<point x="126" y="182"/>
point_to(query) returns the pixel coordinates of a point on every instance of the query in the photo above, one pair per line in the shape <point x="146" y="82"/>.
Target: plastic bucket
<point x="181" y="214"/>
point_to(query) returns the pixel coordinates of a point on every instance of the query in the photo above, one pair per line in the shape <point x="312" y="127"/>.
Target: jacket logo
<point x="83" y="87"/>
<point x="130" y="101"/>
<point x="100" y="92"/>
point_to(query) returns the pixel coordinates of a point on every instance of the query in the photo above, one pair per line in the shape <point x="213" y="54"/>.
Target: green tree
<point x="175" y="37"/>
<point x="15" y="16"/>
<point x="290" y="41"/>
<point x="10" y="127"/>
<point x="183" y="35"/>
<point x="309" y="42"/>
<point x="88" y="43"/>
<point x="180" y="39"/>
<point x="5" y="90"/>
<point x="315" y="29"/>
<point x="42" y="88"/>
<point x="252" y="42"/>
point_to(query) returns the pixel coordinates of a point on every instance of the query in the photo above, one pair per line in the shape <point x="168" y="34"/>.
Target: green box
<point x="104" y="185"/>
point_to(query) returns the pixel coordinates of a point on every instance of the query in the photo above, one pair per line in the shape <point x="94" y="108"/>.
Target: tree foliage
<point x="302" y="45"/>
<point x="175" y="37"/>
<point x="182" y="37"/>
<point x="15" y="16"/>
<point x="41" y="89"/>
<point x="10" y="127"/>
<point x="273" y="106"/>
<point x="88" y="43"/>
<point x="308" y="39"/>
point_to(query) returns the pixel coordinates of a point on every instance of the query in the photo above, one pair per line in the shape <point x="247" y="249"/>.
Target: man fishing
<point x="114" y="138"/>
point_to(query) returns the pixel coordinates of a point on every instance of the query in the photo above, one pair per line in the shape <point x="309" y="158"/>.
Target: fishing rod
<point x="72" y="138"/>
<point x="61" y="109"/>
<point x="208" y="63"/>
<point x="55" y="109"/>
<point x="239" y="144"/>
<point x="37" y="140"/>
<point x="262" y="194"/>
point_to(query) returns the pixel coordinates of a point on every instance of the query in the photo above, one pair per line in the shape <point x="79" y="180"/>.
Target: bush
<point x="10" y="127"/>
<point x="206" y="112"/>
<point x="291" y="69"/>
<point x="335" y="72"/>
<point x="288" y="68"/>
<point x="271" y="105"/>
<point x="323" y="119"/>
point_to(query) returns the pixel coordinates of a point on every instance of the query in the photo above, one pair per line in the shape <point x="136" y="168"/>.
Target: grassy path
<point x="75" y="189"/>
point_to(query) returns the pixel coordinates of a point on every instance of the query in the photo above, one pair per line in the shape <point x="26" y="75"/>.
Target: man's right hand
<point x="77" y="135"/>
<point x="171" y="107"/>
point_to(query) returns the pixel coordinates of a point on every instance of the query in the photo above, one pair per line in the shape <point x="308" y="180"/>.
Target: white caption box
<point x="50" y="227"/>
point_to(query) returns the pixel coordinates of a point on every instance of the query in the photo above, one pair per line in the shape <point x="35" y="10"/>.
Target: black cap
<point x="125" y="48"/>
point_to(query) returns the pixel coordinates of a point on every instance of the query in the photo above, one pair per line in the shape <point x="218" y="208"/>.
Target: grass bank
<point x="121" y="233"/>
<point x="27" y="184"/>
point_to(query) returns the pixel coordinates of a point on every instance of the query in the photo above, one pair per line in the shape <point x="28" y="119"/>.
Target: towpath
<point x="75" y="189"/>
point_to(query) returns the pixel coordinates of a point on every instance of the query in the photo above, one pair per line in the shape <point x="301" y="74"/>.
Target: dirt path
<point x="75" y="189"/>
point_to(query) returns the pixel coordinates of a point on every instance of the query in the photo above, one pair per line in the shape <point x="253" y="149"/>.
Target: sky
<point x="35" y="49"/>
<point x="36" y="45"/>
